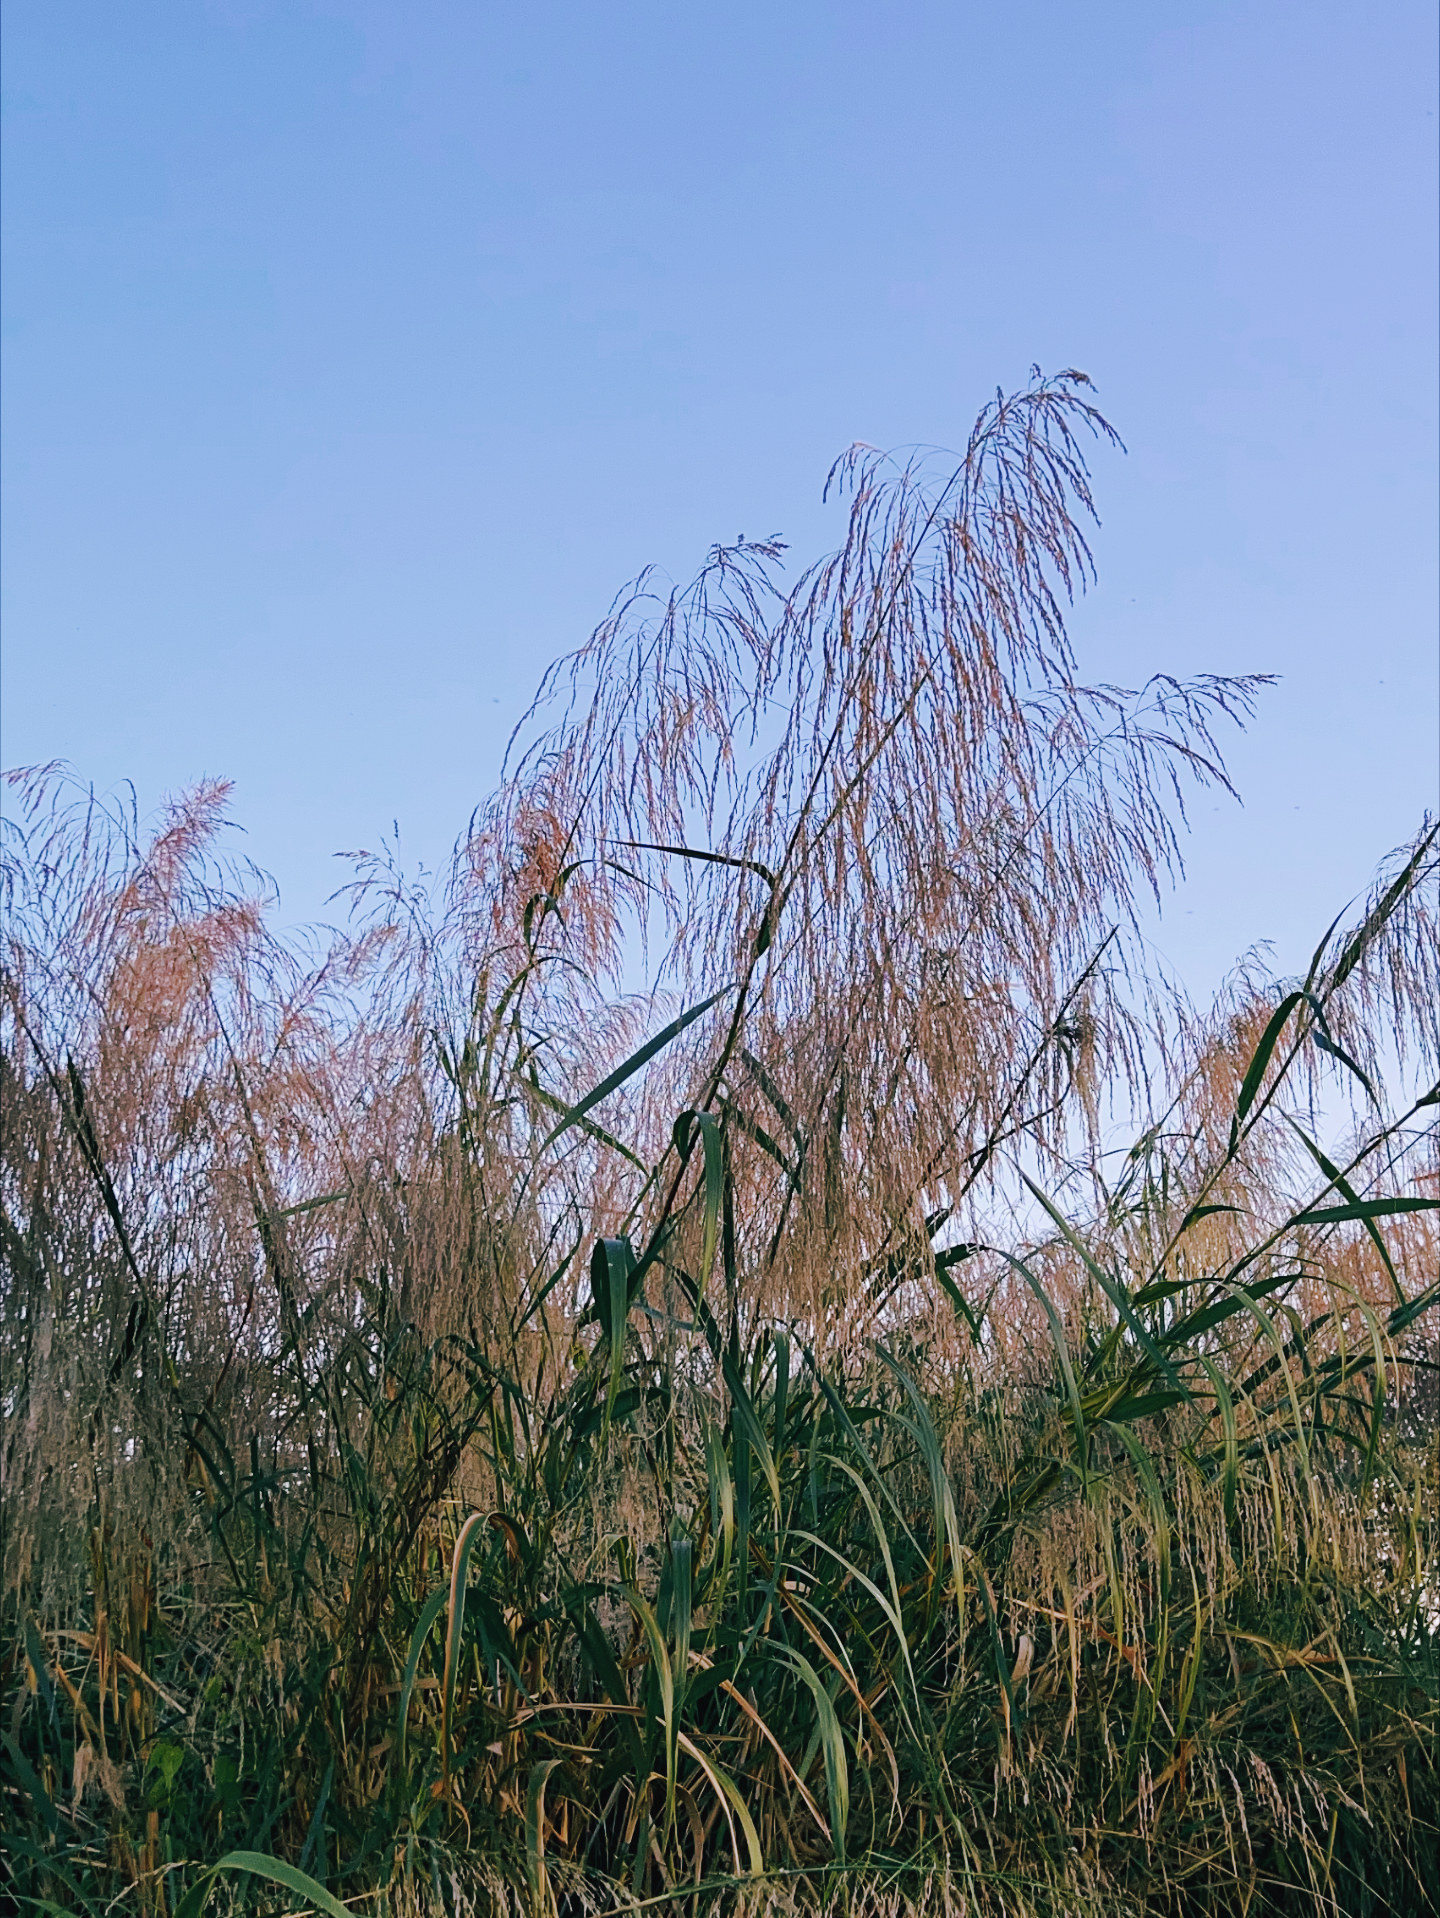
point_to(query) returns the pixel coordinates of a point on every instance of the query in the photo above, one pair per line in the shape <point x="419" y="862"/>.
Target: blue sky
<point x="354" y="355"/>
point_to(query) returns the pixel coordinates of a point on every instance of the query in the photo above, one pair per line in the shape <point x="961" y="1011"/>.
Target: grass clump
<point x="481" y="1438"/>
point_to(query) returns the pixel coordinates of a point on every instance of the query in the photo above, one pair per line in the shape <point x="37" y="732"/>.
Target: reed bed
<point x="642" y="1379"/>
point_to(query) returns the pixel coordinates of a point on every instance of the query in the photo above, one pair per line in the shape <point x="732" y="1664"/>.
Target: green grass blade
<point x="1376" y="919"/>
<point x="1067" y="1371"/>
<point x="432" y="1609"/>
<point x="1206" y="1316"/>
<point x="780" y="1397"/>
<point x="1112" y="1291"/>
<point x="459" y="1569"/>
<point x="890" y="1605"/>
<point x="279" y="1873"/>
<point x="535" y="1870"/>
<point x="847" y="1425"/>
<point x="1192" y="1217"/>
<point x="589" y="1127"/>
<point x="749" y="1428"/>
<point x="614" y="1080"/>
<point x="665" y="1681"/>
<point x="1364" y="1210"/>
<point x="682" y="1554"/>
<point x="832" y="1745"/>
<point x="767" y="1144"/>
<point x="1159" y="1513"/>
<point x="1255" y="1072"/>
<point x="943" y="1262"/>
<point x="721" y="1487"/>
<point x="1267" y="1325"/>
<point x="550" y="1284"/>
<point x="1326" y="1043"/>
<point x="31" y="1783"/>
<point x="730" y="1796"/>
<point x="1343" y="1186"/>
<point x="1377" y="1413"/>
<point x="687" y="1126"/>
<point x="603" y="1663"/>
<point x="612" y="1268"/>
<point x="947" y="1521"/>
<point x="777" y="1099"/>
<point x="1405" y="1315"/>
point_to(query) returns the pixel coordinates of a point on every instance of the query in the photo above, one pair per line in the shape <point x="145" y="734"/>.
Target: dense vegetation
<point x="486" y="1432"/>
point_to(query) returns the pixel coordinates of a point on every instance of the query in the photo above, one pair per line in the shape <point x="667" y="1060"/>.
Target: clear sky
<point x="355" y="354"/>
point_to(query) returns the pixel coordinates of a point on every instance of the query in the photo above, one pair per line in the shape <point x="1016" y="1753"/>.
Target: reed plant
<point x="644" y="1380"/>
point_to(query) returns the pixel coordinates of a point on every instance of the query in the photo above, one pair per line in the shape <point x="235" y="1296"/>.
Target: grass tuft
<point x="477" y="1439"/>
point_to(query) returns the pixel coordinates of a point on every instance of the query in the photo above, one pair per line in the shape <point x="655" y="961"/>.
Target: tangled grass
<point x="479" y="1437"/>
